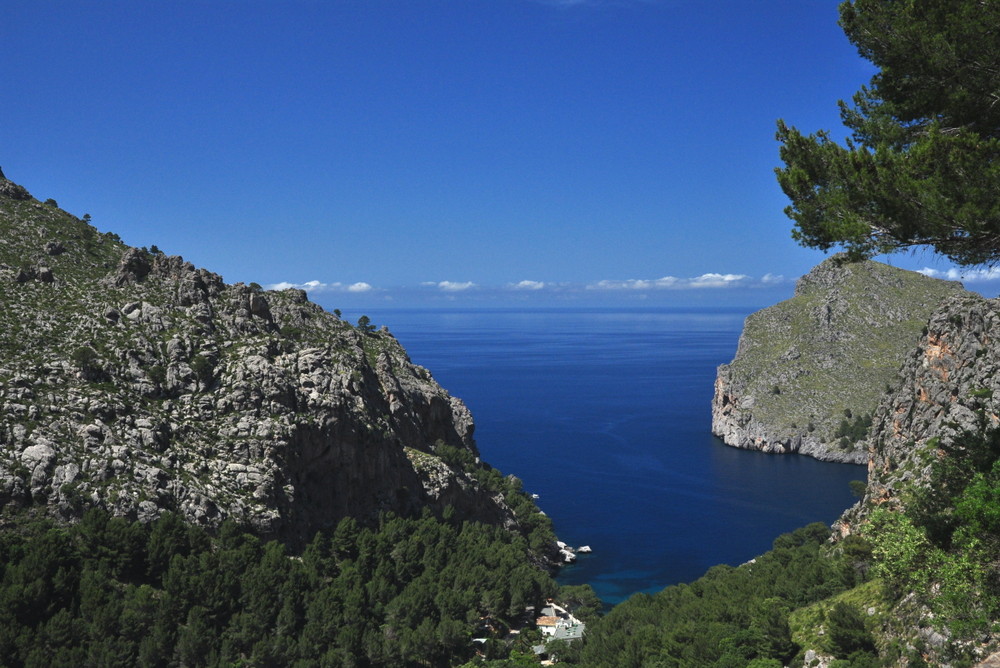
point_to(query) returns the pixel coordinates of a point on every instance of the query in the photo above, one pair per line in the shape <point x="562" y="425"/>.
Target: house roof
<point x="546" y="621"/>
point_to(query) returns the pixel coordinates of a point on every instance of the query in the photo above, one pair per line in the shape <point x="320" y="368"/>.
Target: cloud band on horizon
<point x="709" y="280"/>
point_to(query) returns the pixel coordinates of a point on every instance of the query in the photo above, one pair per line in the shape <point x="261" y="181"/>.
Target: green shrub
<point x="853" y="430"/>
<point x="203" y="369"/>
<point x="87" y="361"/>
<point x="157" y="374"/>
<point x="291" y="332"/>
<point x="847" y="633"/>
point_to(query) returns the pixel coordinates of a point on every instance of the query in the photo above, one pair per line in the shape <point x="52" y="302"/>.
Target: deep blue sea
<point x="606" y="415"/>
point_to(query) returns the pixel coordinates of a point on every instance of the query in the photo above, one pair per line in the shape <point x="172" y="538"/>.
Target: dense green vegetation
<point x="942" y="546"/>
<point x="535" y="526"/>
<point x="731" y="616"/>
<point x="851" y="430"/>
<point x="111" y="592"/>
<point x="922" y="163"/>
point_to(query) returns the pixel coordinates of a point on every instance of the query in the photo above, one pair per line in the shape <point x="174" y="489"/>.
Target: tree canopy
<point x="406" y="592"/>
<point x="921" y="165"/>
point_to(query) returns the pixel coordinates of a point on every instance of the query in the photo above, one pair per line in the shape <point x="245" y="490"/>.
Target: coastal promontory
<point x="809" y="371"/>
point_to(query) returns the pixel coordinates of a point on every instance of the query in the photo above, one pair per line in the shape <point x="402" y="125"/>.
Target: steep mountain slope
<point x="930" y="509"/>
<point x="946" y="390"/>
<point x="809" y="371"/>
<point x="136" y="382"/>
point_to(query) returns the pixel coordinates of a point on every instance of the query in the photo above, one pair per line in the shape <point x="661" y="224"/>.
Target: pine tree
<point x="922" y="163"/>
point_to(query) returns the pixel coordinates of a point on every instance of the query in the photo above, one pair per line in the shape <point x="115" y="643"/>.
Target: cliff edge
<point x="810" y="371"/>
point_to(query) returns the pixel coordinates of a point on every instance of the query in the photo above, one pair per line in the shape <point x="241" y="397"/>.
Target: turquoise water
<point x="606" y="415"/>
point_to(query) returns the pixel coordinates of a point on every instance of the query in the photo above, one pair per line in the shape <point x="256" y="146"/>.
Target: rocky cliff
<point x="134" y="381"/>
<point x="948" y="386"/>
<point x="941" y="405"/>
<point x="810" y="371"/>
<point x="941" y="400"/>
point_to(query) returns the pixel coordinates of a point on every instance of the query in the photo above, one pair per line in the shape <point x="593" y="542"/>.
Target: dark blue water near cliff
<point x="606" y="415"/>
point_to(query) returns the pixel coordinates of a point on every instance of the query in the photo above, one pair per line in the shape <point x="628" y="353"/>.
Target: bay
<point x="605" y="414"/>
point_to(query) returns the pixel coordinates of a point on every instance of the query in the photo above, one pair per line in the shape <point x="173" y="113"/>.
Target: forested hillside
<point x="112" y="592"/>
<point x="196" y="473"/>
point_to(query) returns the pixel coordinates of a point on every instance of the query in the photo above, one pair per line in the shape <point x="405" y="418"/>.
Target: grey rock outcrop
<point x="809" y="371"/>
<point x="139" y="383"/>
<point x="12" y="190"/>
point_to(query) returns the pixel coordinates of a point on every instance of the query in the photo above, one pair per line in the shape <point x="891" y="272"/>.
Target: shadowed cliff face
<point x="137" y="382"/>
<point x="809" y="371"/>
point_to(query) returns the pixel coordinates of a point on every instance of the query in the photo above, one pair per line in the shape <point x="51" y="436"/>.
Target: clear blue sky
<point x="407" y="152"/>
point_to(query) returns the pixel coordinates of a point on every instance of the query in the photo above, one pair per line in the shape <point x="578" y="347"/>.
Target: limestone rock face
<point x="948" y="385"/>
<point x="947" y="388"/>
<point x="137" y="382"/>
<point x="809" y="372"/>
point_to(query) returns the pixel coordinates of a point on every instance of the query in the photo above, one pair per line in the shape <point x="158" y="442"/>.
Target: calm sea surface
<point x="606" y="415"/>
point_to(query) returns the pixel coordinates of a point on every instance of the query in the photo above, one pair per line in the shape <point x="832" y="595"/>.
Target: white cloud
<point x="716" y="280"/>
<point x="635" y="284"/>
<point x="453" y="286"/>
<point x="969" y="275"/>
<point x="320" y="287"/>
<point x="710" y="280"/>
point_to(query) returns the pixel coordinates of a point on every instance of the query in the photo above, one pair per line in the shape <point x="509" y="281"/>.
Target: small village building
<point x="547" y="624"/>
<point x="560" y="626"/>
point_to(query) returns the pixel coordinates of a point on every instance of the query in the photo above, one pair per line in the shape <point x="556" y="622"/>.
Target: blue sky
<point x="434" y="152"/>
